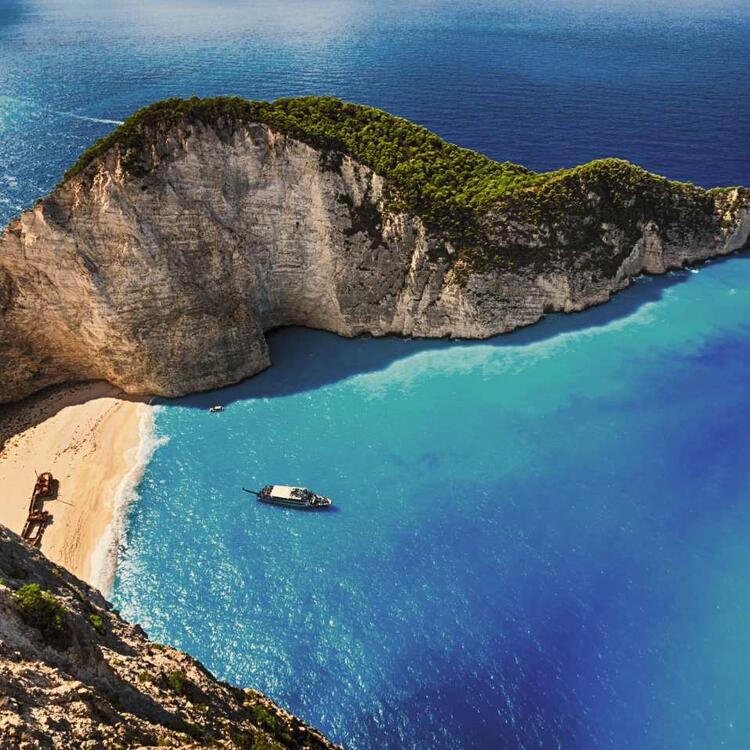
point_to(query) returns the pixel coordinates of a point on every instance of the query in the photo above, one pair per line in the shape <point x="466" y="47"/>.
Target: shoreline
<point x="96" y="441"/>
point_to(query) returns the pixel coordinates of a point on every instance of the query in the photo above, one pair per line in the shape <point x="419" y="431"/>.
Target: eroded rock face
<point x="91" y="680"/>
<point x="163" y="280"/>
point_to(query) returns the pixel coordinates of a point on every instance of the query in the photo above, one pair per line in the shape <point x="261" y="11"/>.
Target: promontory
<point x="177" y="241"/>
<point x="74" y="674"/>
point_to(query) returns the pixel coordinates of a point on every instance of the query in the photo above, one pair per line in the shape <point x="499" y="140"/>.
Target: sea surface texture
<point x="540" y="541"/>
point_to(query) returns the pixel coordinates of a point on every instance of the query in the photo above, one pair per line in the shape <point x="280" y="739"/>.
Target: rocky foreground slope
<point x="176" y="242"/>
<point x="73" y="674"/>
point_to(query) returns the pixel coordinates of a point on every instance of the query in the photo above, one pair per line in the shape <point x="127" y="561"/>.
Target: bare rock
<point x="105" y="685"/>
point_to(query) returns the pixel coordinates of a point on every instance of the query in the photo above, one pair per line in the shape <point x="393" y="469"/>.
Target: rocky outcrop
<point x="74" y="675"/>
<point x="162" y="279"/>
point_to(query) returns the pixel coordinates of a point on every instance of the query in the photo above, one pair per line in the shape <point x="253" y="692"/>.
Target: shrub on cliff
<point x="263" y="718"/>
<point x="43" y="611"/>
<point x="176" y="682"/>
<point x="97" y="622"/>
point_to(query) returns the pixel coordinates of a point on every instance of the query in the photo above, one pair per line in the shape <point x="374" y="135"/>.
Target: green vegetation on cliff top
<point x="447" y="186"/>
<point x="442" y="182"/>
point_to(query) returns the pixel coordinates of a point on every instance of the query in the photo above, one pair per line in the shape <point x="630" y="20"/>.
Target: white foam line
<point x="104" y="557"/>
<point x="498" y="358"/>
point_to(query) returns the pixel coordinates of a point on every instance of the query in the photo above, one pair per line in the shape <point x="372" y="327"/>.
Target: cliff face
<point x="74" y="675"/>
<point x="162" y="278"/>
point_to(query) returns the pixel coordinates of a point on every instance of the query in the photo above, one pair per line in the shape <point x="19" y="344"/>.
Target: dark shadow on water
<point x="304" y="359"/>
<point x="13" y="11"/>
<point x="31" y="411"/>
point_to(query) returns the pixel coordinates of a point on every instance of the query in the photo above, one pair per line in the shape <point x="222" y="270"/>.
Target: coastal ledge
<point x="74" y="674"/>
<point x="177" y="241"/>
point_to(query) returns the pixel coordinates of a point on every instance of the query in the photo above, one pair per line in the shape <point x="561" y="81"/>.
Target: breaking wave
<point x="104" y="557"/>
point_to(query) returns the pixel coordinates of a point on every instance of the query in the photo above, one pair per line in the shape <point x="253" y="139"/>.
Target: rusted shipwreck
<point x="46" y="488"/>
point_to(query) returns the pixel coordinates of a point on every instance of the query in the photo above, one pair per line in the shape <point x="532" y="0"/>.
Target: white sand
<point x="89" y="436"/>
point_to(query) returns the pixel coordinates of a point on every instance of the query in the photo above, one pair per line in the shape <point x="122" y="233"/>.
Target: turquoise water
<point x="541" y="541"/>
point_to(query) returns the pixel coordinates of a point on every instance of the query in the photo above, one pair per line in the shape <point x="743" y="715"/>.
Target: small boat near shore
<point x="216" y="408"/>
<point x="291" y="497"/>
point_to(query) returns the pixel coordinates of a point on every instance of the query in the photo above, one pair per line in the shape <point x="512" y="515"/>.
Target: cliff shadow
<point x="19" y="416"/>
<point x="306" y="359"/>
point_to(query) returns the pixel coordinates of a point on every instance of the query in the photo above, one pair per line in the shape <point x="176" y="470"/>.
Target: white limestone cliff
<point x="165" y="282"/>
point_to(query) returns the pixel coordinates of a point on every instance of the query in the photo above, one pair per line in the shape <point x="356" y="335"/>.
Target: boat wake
<point x="40" y="108"/>
<point x="88" y="119"/>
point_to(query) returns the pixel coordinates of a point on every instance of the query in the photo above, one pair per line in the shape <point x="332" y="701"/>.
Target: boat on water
<point x="291" y="497"/>
<point x="216" y="408"/>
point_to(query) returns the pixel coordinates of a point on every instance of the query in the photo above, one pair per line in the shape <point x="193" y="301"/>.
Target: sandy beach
<point x="89" y="436"/>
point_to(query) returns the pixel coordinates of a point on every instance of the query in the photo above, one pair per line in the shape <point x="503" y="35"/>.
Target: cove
<point x="539" y="541"/>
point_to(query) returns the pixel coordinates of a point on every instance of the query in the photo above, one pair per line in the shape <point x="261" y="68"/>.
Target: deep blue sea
<point x="540" y="541"/>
